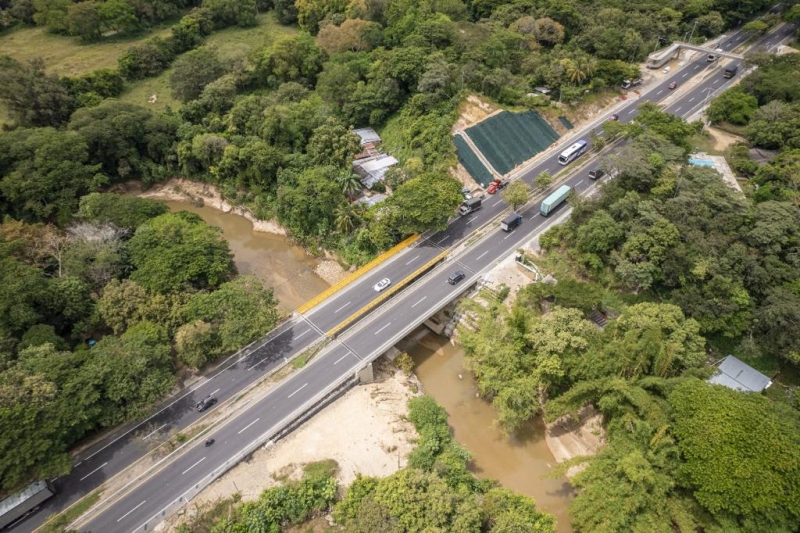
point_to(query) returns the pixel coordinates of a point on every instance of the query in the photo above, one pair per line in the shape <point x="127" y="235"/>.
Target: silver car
<point x="382" y="284"/>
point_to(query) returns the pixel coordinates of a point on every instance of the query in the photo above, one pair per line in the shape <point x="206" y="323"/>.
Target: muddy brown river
<point x="518" y="463"/>
<point x="284" y="267"/>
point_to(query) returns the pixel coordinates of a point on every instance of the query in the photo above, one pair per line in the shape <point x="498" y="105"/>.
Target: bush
<point x="148" y="59"/>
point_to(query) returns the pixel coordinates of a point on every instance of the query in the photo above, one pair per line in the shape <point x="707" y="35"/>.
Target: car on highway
<point x="711" y="58"/>
<point x="596" y="174"/>
<point x="673" y="85"/>
<point x="496" y="185"/>
<point x="205" y="403"/>
<point x="455" y="277"/>
<point x="382" y="284"/>
<point x="614" y="117"/>
<point x="467" y="193"/>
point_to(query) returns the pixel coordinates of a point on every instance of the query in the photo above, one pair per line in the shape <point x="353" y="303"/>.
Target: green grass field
<point x="68" y="57"/>
<point x="230" y="43"/>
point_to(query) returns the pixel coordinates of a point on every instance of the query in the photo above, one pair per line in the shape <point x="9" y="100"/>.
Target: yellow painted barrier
<point x="357" y="274"/>
<point x="383" y="297"/>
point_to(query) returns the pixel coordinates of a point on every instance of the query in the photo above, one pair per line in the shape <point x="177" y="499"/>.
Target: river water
<point x="520" y="462"/>
<point x="286" y="268"/>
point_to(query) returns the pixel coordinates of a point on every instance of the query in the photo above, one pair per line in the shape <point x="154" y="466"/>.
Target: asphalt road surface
<point x="114" y="454"/>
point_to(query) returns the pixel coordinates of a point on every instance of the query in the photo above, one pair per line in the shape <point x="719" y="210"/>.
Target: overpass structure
<point x="661" y="57"/>
<point x="145" y="502"/>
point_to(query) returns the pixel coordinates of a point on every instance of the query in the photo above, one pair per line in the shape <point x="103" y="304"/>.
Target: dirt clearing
<point x="723" y="139"/>
<point x="365" y="431"/>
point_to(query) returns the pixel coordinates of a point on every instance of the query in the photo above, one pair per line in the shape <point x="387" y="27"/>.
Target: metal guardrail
<point x="383" y="297"/>
<point x="357" y="274"/>
<point x="235" y="410"/>
<point x="256" y="443"/>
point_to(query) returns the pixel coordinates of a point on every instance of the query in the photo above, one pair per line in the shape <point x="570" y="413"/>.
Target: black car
<point x="205" y="403"/>
<point x="456" y="277"/>
<point x="596" y="174"/>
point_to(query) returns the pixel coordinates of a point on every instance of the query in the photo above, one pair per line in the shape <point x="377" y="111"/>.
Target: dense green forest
<point x="272" y="131"/>
<point x="680" y="262"/>
<point x="435" y="493"/>
<point x="160" y="292"/>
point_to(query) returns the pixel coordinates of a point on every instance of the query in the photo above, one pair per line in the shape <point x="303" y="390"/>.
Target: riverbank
<point x="204" y="194"/>
<point x="181" y="193"/>
<point x="365" y="431"/>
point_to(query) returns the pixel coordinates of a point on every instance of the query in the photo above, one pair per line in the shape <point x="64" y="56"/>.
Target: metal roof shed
<point x="374" y="169"/>
<point x="736" y="375"/>
<point x="368" y="135"/>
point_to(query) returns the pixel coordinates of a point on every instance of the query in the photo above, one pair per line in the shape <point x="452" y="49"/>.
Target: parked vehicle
<point x="496" y="185"/>
<point x="511" y="222"/>
<point x="596" y="174"/>
<point x="469" y="206"/>
<point x="673" y="85"/>
<point x="467" y="193"/>
<point x="554" y="200"/>
<point x="25" y="502"/>
<point x="730" y="71"/>
<point x="573" y="152"/>
<point x="382" y="284"/>
<point x="627" y="84"/>
<point x="205" y="403"/>
<point x="455" y="277"/>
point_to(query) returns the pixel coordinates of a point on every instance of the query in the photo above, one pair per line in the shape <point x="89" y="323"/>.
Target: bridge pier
<point x="366" y="374"/>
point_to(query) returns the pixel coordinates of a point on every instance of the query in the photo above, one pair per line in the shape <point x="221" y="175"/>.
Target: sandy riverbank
<point x="365" y="431"/>
<point x="183" y="190"/>
<point x="204" y="194"/>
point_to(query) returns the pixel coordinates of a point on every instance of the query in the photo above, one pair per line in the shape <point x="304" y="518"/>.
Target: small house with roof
<point x="736" y="375"/>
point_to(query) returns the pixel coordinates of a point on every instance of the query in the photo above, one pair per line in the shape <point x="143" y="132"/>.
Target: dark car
<point x="596" y="174"/>
<point x="673" y="85"/>
<point x="455" y="277"/>
<point x="614" y="117"/>
<point x="205" y="403"/>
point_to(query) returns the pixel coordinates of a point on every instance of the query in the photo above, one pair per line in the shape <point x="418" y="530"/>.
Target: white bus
<point x="573" y="152"/>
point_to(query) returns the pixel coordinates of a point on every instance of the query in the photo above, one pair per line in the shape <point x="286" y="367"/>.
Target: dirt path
<point x="723" y="139"/>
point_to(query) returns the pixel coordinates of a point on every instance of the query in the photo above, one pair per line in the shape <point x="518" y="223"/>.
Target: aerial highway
<point x="141" y="508"/>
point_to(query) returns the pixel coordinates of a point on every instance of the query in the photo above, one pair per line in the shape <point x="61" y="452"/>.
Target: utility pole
<point x="692" y="33"/>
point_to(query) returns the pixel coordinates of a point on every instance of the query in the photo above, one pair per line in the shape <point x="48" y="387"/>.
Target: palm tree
<point x="579" y="69"/>
<point x="348" y="216"/>
<point x="349" y="182"/>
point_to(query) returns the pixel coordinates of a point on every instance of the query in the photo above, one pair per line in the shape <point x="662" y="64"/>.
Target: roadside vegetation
<point x="679" y="263"/>
<point x="435" y="492"/>
<point x="765" y="108"/>
<point x="157" y="290"/>
<point x="271" y="127"/>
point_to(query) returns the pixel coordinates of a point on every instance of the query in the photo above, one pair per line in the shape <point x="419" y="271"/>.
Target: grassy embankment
<point x="67" y="56"/>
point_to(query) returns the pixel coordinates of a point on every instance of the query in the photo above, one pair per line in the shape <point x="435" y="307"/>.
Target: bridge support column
<point x="366" y="375"/>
